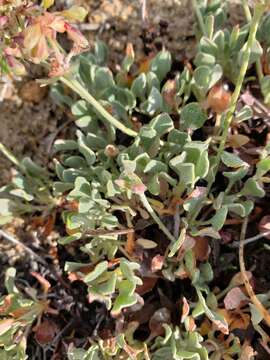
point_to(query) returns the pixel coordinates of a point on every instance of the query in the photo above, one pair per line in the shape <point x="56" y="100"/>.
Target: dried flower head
<point x="32" y="35"/>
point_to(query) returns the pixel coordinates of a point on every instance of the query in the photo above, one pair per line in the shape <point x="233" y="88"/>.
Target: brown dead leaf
<point x="265" y="63"/>
<point x="201" y="249"/>
<point x="146" y="243"/>
<point x="234" y="299"/>
<point x="144" y="64"/>
<point x="235" y="319"/>
<point x="205" y="327"/>
<point x="240" y="321"/>
<point x="237" y="140"/>
<point x="45" y="332"/>
<point x="148" y="285"/>
<point x="48" y="225"/>
<point x="130" y="243"/>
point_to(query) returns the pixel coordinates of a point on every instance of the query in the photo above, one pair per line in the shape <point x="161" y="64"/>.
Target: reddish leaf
<point x="148" y="285"/>
<point x="45" y="332"/>
<point x="234" y="299"/>
<point x="157" y="263"/>
<point x="185" y="309"/>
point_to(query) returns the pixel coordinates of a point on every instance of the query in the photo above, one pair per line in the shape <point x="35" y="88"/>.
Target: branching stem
<point x="249" y="18"/>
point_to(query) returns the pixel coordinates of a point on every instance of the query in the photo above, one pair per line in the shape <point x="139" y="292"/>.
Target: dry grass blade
<point x="256" y="302"/>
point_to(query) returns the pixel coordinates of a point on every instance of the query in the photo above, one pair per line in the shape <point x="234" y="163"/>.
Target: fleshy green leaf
<point x="253" y="188"/>
<point x="161" y="64"/>
<point x="193" y="116"/>
<point x="232" y="160"/>
<point x="219" y="218"/>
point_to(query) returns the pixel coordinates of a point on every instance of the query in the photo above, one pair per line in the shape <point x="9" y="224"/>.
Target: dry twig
<point x="256" y="302"/>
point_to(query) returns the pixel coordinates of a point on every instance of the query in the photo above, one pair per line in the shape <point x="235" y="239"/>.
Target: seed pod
<point x="111" y="151"/>
<point x="219" y="99"/>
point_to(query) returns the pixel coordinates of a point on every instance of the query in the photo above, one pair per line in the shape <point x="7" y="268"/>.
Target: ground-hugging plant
<point x="137" y="155"/>
<point x="18" y="313"/>
<point x="29" y="191"/>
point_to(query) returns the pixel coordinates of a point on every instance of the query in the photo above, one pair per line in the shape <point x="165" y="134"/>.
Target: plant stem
<point x="199" y="17"/>
<point x="259" y="9"/>
<point x="160" y="224"/>
<point x="84" y="94"/>
<point x="249" y="18"/>
<point x="246" y="10"/>
<point x="8" y="154"/>
<point x="251" y="239"/>
<point x="229" y="115"/>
